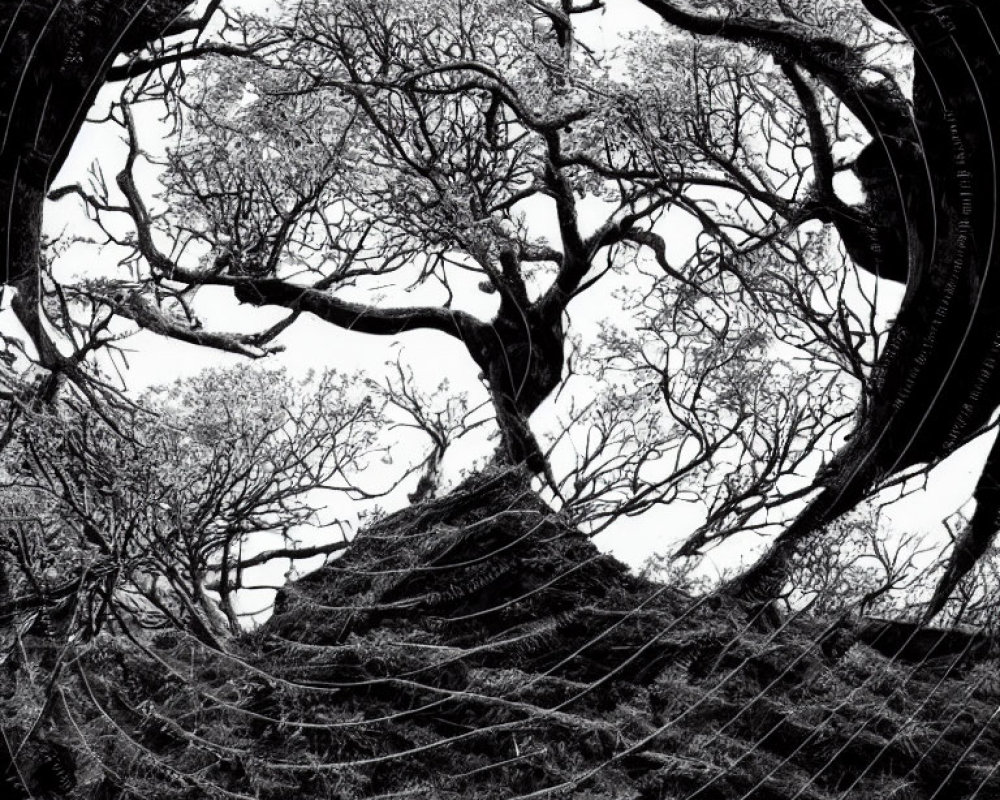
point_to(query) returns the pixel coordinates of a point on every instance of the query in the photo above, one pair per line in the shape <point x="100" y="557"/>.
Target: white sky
<point x="311" y="344"/>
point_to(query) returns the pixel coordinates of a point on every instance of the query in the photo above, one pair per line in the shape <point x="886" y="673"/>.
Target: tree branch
<point x="285" y="552"/>
<point x="145" y="314"/>
<point x="880" y="106"/>
<point x="140" y="66"/>
<point x="356" y="316"/>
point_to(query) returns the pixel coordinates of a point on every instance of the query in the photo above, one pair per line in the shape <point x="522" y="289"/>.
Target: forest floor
<point x="476" y="646"/>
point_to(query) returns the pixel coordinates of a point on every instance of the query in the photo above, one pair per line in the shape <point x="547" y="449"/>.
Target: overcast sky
<point x="311" y="344"/>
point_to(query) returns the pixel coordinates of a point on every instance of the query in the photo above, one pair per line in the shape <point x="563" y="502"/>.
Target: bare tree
<point x="718" y="400"/>
<point x="379" y="145"/>
<point x="443" y="416"/>
<point x="372" y="147"/>
<point x="154" y="528"/>
<point x="857" y="568"/>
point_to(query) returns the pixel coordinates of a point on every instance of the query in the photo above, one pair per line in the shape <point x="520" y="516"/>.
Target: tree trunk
<point x="521" y="353"/>
<point x="973" y="542"/>
<point x="54" y="58"/>
<point x="937" y="382"/>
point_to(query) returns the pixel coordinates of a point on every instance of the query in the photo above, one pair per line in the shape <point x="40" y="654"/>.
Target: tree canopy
<point x="338" y="159"/>
<point x="736" y="255"/>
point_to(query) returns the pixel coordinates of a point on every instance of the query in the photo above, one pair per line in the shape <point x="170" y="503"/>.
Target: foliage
<point x="340" y="156"/>
<point x="134" y="528"/>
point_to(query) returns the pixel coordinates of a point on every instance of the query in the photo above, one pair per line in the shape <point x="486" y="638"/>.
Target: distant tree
<point x="157" y="528"/>
<point x="442" y="415"/>
<point x="858" y="568"/>
<point x="714" y="398"/>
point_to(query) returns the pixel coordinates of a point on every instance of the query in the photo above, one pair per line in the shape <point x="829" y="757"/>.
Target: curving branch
<point x="291" y="553"/>
<point x="149" y="317"/>
<point x="879" y="105"/>
<point x="356" y="316"/>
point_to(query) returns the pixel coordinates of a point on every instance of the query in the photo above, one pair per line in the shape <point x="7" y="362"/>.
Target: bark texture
<point x="55" y="56"/>
<point x="937" y="382"/>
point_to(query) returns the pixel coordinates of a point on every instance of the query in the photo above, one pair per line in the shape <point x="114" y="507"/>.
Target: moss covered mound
<point x="477" y="646"/>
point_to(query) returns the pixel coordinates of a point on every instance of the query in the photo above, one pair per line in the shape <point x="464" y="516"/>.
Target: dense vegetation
<point x="785" y="215"/>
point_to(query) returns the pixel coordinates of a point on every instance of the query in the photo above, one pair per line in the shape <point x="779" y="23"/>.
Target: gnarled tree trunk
<point x="937" y="382"/>
<point x="54" y="58"/>
<point x="521" y="353"/>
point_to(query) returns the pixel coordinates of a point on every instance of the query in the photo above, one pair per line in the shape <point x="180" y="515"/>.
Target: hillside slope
<point x="477" y="646"/>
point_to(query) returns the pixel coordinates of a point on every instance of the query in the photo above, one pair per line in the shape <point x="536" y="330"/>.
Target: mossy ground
<point x="477" y="646"/>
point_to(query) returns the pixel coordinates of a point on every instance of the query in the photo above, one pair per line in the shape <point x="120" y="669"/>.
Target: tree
<point x="926" y="216"/>
<point x="150" y="529"/>
<point x="396" y="146"/>
<point x="749" y="396"/>
<point x="411" y="141"/>
<point x="413" y="138"/>
<point x="163" y="530"/>
<point x="443" y="416"/>
<point x="384" y="143"/>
